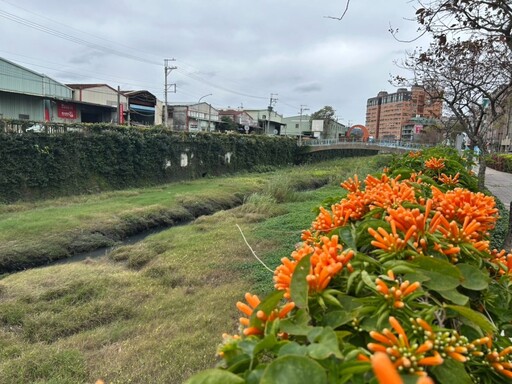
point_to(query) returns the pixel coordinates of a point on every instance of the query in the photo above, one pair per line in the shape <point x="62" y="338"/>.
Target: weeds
<point x="151" y="312"/>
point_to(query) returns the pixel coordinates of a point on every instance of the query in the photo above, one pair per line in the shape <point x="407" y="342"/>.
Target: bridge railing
<point x="360" y="143"/>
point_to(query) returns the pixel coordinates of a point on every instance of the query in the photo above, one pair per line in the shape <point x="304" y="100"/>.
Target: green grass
<point x="153" y="312"/>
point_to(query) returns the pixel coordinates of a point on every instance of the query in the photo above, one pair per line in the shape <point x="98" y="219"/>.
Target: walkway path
<point x="500" y="184"/>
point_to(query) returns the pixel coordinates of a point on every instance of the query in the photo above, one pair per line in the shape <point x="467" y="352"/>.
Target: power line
<point x="200" y="79"/>
<point x="102" y="38"/>
<point x="107" y="78"/>
<point x="59" y="34"/>
<point x="65" y="36"/>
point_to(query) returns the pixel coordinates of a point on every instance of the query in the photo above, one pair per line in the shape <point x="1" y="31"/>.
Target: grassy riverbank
<point x="152" y="312"/>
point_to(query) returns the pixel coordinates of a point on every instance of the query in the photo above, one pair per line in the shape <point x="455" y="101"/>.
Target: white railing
<point x="359" y="143"/>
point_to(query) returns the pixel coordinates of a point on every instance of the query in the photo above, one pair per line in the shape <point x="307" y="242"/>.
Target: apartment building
<point x="388" y="113"/>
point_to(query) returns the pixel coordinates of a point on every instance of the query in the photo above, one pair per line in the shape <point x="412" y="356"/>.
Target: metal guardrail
<point x="362" y="144"/>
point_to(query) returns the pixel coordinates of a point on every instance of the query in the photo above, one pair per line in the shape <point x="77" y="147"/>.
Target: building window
<point x="296" y="125"/>
<point x="23" y="117"/>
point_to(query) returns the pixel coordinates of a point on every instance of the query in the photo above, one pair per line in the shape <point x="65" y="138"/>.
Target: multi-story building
<point x="387" y="114"/>
<point x="499" y="133"/>
<point x="270" y="122"/>
<point x="297" y="126"/>
<point x="245" y="123"/>
<point x="192" y="117"/>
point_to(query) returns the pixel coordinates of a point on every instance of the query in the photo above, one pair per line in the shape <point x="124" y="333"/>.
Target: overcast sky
<point x="240" y="51"/>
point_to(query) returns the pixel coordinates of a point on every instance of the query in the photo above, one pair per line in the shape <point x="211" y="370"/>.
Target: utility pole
<point x="273" y="100"/>
<point x="119" y="105"/>
<point x="302" y="109"/>
<point x="167" y="71"/>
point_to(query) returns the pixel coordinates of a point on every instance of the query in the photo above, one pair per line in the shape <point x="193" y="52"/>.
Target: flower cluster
<point x="389" y="284"/>
<point x="327" y="260"/>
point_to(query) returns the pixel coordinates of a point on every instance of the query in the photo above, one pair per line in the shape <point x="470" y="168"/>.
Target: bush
<point x="394" y="281"/>
<point x="500" y="162"/>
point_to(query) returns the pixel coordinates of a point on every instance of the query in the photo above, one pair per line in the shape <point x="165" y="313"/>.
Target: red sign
<point x="418" y="128"/>
<point x="121" y="114"/>
<point x="66" y="111"/>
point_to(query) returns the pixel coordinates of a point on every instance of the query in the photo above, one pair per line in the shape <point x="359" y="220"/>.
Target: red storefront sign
<point x="66" y="111"/>
<point x="121" y="114"/>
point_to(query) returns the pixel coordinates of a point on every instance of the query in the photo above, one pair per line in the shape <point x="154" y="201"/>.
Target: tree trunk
<point x="481" y="171"/>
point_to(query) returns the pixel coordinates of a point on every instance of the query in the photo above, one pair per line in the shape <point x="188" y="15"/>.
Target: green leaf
<point x="473" y="278"/>
<point x="451" y="371"/>
<point x="367" y="279"/>
<point x="399" y="266"/>
<point x="294" y="370"/>
<point x="267" y="305"/>
<point x="215" y="376"/>
<point x="443" y="275"/>
<point x="473" y="316"/>
<point x="352" y="278"/>
<point x="347" y="235"/>
<point x="268" y="342"/>
<point x="354" y="367"/>
<point x="324" y="343"/>
<point x="335" y="319"/>
<point x="439" y="282"/>
<point x="297" y="325"/>
<point x="432" y="264"/>
<point x="293" y="348"/>
<point x="254" y="377"/>
<point x="299" y="286"/>
<point x="454" y="296"/>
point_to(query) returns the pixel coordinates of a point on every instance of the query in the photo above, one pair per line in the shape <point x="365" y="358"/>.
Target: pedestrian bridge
<point x="317" y="145"/>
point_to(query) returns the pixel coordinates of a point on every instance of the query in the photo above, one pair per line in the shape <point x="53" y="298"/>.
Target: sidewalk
<point x="500" y="184"/>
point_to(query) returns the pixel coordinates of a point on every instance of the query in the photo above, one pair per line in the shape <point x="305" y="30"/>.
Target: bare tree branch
<point x="347" y="5"/>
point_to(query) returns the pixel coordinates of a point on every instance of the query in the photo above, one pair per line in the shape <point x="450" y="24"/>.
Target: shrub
<point x="393" y="282"/>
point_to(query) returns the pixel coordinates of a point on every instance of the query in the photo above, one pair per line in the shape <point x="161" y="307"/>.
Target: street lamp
<point x="209" y="109"/>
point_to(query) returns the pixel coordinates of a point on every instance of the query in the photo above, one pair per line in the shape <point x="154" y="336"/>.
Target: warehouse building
<point x="27" y="95"/>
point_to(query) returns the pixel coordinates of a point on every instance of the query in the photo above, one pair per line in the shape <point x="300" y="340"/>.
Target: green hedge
<point x="500" y="162"/>
<point x="40" y="165"/>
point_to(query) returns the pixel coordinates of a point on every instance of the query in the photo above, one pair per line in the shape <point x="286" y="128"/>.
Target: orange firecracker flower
<point x="450" y="181"/>
<point x="351" y="185"/>
<point x="448" y="343"/>
<point x="435" y="164"/>
<point x="459" y="204"/>
<point x="503" y="261"/>
<point x="283" y="273"/>
<point x="391" y="242"/>
<point x="414" y="155"/>
<point x="384" y="369"/>
<point x="405" y="357"/>
<point x="386" y="192"/>
<point x="386" y="373"/>
<point x="396" y="293"/>
<point x="252" y="303"/>
<point x="327" y="260"/>
<point x="499" y="359"/>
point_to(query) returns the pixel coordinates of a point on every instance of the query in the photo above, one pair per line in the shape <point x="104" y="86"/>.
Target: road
<point x="500" y="184"/>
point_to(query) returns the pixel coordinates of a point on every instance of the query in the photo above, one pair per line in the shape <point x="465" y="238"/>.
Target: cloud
<point x="241" y="51"/>
<point x="308" y="88"/>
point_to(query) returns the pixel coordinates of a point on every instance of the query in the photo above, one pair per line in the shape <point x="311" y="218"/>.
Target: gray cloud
<point x="308" y="88"/>
<point x="240" y="51"/>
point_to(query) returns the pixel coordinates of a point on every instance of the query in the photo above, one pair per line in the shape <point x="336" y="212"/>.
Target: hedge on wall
<point x="40" y="165"/>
